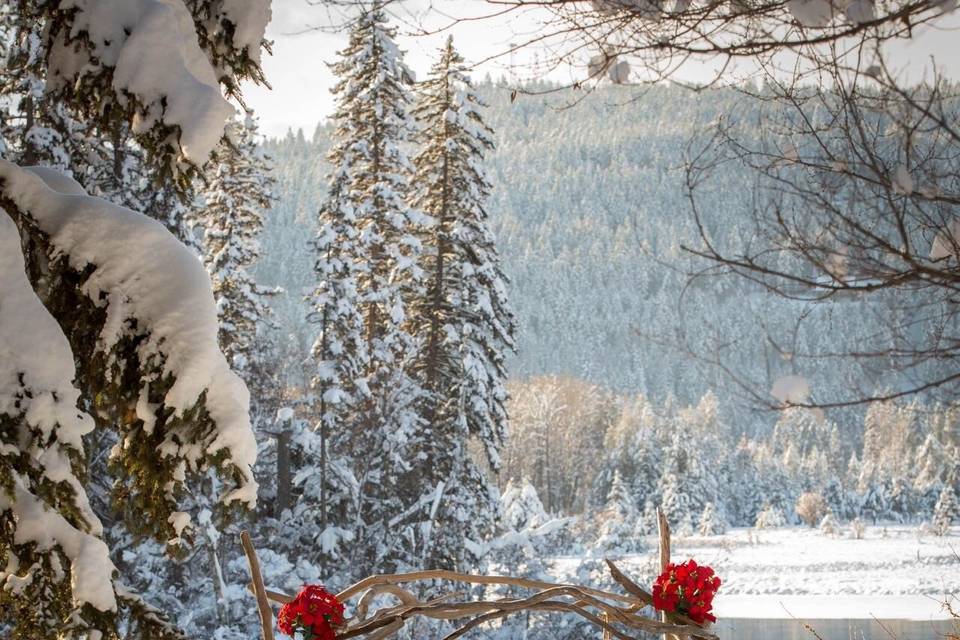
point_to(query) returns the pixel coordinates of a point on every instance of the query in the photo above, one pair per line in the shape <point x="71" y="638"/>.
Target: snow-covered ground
<point x="893" y="572"/>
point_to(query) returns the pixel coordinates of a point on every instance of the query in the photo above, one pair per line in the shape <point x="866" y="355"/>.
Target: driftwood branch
<point x="663" y="535"/>
<point x="263" y="606"/>
<point x="616" y="614"/>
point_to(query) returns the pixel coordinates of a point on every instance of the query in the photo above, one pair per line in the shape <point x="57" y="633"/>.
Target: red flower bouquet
<point x="315" y="611"/>
<point x="688" y="589"/>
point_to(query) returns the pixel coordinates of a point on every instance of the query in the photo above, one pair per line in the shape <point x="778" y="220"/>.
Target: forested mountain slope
<point x="590" y="212"/>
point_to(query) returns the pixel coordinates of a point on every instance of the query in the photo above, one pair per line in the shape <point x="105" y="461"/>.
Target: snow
<point x="892" y="572"/>
<point x="902" y="181"/>
<point x="91" y="570"/>
<point x="152" y="46"/>
<point x="179" y="520"/>
<point x="902" y="607"/>
<point x="791" y="389"/>
<point x="36" y="380"/>
<point x="945" y="243"/>
<point x="37" y="376"/>
<point x="250" y="18"/>
<point x="811" y="13"/>
<point x="162" y="285"/>
<point x="32" y="344"/>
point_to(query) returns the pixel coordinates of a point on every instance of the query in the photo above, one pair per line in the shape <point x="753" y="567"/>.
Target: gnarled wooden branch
<point x="616" y="614"/>
<point x="263" y="606"/>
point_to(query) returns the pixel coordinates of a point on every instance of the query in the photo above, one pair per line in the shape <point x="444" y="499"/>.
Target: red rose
<point x="315" y="610"/>
<point x="687" y="588"/>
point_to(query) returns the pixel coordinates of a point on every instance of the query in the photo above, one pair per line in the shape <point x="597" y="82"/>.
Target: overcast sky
<point x="301" y="81"/>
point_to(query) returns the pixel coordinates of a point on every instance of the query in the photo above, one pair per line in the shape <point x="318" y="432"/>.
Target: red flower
<point x="315" y="610"/>
<point x="687" y="588"/>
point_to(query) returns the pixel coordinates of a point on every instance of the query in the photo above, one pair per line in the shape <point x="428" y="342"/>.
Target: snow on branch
<point x="91" y="571"/>
<point x="148" y="53"/>
<point x="149" y="284"/>
<point x="36" y="380"/>
<point x="39" y="403"/>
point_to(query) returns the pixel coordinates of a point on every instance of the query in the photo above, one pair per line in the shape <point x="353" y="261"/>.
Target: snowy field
<point x="892" y="573"/>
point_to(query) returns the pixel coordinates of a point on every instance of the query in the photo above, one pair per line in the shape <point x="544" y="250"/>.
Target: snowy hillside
<point x="590" y="226"/>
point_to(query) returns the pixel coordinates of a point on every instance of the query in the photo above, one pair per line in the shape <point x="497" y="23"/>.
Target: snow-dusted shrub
<point x="521" y="506"/>
<point x="857" y="529"/>
<point x="711" y="523"/>
<point x="829" y="525"/>
<point x="684" y="528"/>
<point x="770" y="518"/>
<point x="811" y="508"/>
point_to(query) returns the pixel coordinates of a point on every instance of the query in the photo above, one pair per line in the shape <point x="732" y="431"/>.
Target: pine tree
<point x="366" y="262"/>
<point x="521" y="551"/>
<point x="675" y="487"/>
<point x="39" y="129"/>
<point x="229" y="214"/>
<point x="521" y="507"/>
<point x="837" y="499"/>
<point x="946" y="511"/>
<point x="770" y="517"/>
<point x="107" y="322"/>
<point x="711" y="523"/>
<point x="461" y="320"/>
<point x="617" y="520"/>
<point x="931" y="462"/>
<point x="233" y="203"/>
<point x="36" y="129"/>
<point x="340" y="354"/>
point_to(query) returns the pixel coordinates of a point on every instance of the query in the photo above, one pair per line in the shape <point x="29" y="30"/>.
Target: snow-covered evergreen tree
<point x="521" y="507"/>
<point x="617" y="521"/>
<point x="107" y="321"/>
<point x="647" y="522"/>
<point x="875" y="502"/>
<point x="770" y="517"/>
<point x="525" y="529"/>
<point x="461" y="320"/>
<point x="946" y="511"/>
<point x="712" y="523"/>
<point x="367" y="254"/>
<point x="35" y="128"/>
<point x="838" y="499"/>
<point x="230" y="217"/>
<point x="931" y="464"/>
<point x="676" y="491"/>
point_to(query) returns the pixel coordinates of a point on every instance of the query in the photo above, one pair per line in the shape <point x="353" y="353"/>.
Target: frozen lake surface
<point x="831" y="629"/>
<point x="835" y="583"/>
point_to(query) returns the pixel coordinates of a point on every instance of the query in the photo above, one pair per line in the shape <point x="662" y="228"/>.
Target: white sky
<point x="301" y="81"/>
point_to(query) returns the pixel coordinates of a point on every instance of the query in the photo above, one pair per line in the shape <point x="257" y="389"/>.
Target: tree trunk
<point x="284" y="476"/>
